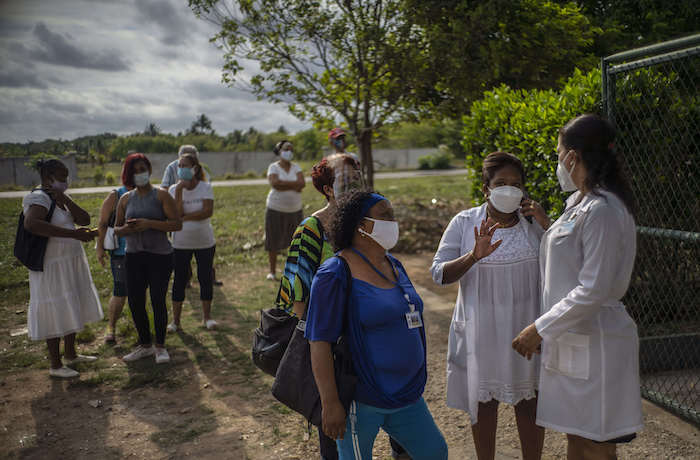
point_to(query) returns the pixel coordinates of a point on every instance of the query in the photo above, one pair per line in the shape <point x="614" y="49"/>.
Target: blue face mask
<point x="185" y="173"/>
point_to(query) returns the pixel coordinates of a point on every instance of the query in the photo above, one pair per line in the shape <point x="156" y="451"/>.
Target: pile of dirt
<point x="422" y="225"/>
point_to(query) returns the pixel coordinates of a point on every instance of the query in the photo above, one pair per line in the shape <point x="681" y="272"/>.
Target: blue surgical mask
<point x="185" y="173"/>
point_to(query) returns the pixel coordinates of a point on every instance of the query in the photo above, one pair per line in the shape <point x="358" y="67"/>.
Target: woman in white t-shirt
<point x="194" y="199"/>
<point x="284" y="208"/>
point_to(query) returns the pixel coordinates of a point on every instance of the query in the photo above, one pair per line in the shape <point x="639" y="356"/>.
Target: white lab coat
<point x="462" y="364"/>
<point x="589" y="376"/>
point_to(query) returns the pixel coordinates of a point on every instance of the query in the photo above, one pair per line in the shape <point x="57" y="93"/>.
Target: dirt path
<point x="218" y="406"/>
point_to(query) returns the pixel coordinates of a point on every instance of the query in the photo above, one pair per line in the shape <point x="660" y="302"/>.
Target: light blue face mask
<point x="185" y="173"/>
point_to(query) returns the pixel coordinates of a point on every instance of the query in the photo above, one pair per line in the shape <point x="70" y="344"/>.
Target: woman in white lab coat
<point x="498" y="296"/>
<point x="589" y="377"/>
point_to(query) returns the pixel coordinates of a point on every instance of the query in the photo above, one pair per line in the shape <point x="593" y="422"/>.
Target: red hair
<point x="323" y="174"/>
<point x="128" y="168"/>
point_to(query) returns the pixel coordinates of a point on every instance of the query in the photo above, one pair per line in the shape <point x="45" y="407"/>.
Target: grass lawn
<point x="239" y="228"/>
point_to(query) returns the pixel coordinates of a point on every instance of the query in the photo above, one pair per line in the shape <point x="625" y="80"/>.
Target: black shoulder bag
<point x="271" y="338"/>
<point x="295" y="386"/>
<point x="30" y="248"/>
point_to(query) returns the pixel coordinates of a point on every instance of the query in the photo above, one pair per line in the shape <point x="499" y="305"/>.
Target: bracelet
<point x="471" y="254"/>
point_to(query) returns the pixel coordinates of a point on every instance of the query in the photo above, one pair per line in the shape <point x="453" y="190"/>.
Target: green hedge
<point x="526" y="123"/>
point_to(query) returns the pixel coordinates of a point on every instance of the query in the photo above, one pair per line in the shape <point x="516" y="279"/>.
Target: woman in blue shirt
<point x="108" y="214"/>
<point x="385" y="332"/>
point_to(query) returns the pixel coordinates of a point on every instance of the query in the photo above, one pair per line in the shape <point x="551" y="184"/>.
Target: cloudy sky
<point x="78" y="67"/>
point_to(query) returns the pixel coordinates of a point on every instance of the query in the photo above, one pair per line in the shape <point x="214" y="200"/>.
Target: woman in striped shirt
<point x="310" y="247"/>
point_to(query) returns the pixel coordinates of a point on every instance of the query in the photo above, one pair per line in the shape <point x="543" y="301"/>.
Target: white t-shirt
<point x="195" y="234"/>
<point x="284" y="200"/>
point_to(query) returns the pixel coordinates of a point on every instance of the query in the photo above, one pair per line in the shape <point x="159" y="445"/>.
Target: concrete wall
<point x="399" y="158"/>
<point x="14" y="171"/>
<point x="218" y="163"/>
<point x="221" y="163"/>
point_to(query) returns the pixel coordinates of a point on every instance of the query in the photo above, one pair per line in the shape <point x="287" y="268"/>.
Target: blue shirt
<point x="389" y="358"/>
<point x="121" y="250"/>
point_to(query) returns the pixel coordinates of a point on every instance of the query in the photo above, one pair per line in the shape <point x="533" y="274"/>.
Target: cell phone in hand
<point x="526" y="197"/>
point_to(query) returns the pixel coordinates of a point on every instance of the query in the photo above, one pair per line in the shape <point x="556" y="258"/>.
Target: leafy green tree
<point x="309" y="144"/>
<point x="476" y="45"/>
<point x="151" y="130"/>
<point x="358" y="62"/>
<point x="627" y="24"/>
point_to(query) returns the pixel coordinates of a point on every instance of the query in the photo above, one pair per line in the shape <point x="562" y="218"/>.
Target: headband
<point x="370" y="201"/>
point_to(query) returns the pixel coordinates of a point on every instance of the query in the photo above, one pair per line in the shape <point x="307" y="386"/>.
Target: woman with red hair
<point x="145" y="215"/>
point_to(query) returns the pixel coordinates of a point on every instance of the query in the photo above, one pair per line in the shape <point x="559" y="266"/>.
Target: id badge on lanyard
<point x="413" y="318"/>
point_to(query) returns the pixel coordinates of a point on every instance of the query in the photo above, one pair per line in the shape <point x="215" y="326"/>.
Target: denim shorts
<point x="118" y="264"/>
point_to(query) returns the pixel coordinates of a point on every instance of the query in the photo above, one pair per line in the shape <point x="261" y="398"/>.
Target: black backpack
<point x="30" y="248"/>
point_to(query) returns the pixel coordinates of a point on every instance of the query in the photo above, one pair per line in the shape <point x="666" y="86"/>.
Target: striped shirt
<point x="308" y="250"/>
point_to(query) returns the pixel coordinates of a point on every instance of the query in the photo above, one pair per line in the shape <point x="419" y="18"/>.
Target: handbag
<point x="111" y="241"/>
<point x="270" y="340"/>
<point x="295" y="386"/>
<point x="30" y="248"/>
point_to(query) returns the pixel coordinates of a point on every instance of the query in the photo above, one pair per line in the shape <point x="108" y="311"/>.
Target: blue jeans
<point x="412" y="426"/>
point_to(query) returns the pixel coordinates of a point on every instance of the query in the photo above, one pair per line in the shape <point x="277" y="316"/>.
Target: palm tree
<point x="201" y="125"/>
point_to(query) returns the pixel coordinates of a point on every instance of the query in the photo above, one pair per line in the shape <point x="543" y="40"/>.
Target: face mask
<point x="59" y="186"/>
<point x="185" y="173"/>
<point x="506" y="198"/>
<point x="339" y="143"/>
<point x="287" y="155"/>
<point x="385" y="232"/>
<point x="564" y="176"/>
<point x="141" y="179"/>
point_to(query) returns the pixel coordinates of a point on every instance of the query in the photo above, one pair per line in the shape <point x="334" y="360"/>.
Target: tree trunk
<point x="367" y="162"/>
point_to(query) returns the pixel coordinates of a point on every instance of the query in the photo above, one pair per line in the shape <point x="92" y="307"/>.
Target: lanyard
<point x="396" y="283"/>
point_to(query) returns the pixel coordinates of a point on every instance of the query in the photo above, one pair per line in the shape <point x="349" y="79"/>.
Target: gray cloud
<point x="57" y="49"/>
<point x="170" y="79"/>
<point x="173" y="26"/>
<point x="20" y="79"/>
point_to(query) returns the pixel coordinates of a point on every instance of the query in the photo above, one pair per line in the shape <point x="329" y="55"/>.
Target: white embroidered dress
<point x="62" y="298"/>
<point x="498" y="297"/>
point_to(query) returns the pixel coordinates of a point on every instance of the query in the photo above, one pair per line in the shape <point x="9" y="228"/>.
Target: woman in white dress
<point x="62" y="297"/>
<point x="498" y="296"/>
<point x="589" y="380"/>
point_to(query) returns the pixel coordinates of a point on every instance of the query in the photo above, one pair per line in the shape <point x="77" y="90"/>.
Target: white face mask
<point x="385" y="232"/>
<point x="506" y="198"/>
<point x="564" y="176"/>
<point x="141" y="179"/>
<point x="287" y="155"/>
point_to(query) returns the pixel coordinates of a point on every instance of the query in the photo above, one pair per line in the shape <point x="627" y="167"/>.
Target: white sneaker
<point x="210" y="324"/>
<point x="139" y="352"/>
<point x="162" y="355"/>
<point x="270" y="277"/>
<point x="81" y="359"/>
<point x="63" y="373"/>
<point x="173" y="328"/>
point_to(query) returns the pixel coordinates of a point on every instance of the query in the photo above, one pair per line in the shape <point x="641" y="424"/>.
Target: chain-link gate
<point x="651" y="95"/>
